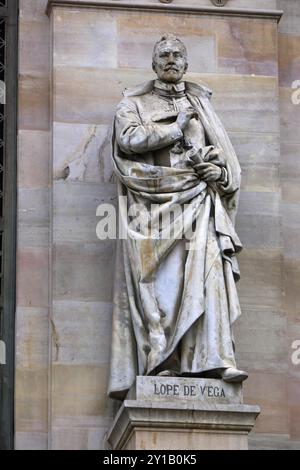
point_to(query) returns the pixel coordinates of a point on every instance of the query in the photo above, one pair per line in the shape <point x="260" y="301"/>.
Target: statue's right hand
<point x="184" y="117"/>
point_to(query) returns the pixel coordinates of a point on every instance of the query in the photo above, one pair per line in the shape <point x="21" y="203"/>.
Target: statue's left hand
<point x="208" y="171"/>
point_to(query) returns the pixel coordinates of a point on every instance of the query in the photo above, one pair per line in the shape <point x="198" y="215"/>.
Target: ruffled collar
<point x="172" y="90"/>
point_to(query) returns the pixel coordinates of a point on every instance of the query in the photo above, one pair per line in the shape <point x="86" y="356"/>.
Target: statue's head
<point x="169" y="60"/>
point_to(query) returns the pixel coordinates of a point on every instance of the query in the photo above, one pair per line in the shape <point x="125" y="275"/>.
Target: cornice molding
<point x="167" y="7"/>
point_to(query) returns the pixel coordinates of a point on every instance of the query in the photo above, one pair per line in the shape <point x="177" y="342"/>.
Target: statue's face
<point x="170" y="62"/>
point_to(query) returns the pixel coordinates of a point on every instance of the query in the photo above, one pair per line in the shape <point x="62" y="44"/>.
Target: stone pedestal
<point x="182" y="414"/>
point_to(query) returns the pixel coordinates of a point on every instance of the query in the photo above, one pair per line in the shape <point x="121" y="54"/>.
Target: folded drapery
<point x="175" y="288"/>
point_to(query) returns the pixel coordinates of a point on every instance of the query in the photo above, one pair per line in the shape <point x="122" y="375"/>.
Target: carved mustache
<point x="170" y="67"/>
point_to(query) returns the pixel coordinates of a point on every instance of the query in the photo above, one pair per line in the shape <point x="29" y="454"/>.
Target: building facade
<point x="74" y="59"/>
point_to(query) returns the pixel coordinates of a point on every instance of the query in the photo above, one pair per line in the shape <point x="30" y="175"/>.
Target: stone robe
<point x="175" y="298"/>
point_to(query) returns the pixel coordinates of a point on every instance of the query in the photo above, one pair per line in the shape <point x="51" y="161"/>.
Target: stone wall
<point x="289" y="72"/>
<point x="65" y="273"/>
<point x="34" y="245"/>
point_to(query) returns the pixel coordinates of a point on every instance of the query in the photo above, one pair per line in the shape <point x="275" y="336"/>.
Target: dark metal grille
<point x="2" y="163"/>
<point x="8" y="183"/>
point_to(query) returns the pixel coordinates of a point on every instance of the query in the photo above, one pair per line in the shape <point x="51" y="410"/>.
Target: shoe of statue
<point x="233" y="375"/>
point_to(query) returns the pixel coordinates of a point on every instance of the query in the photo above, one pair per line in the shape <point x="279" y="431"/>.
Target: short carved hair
<point x="169" y="37"/>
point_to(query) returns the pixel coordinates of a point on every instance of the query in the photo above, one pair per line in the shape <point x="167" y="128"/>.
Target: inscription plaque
<point x="211" y="391"/>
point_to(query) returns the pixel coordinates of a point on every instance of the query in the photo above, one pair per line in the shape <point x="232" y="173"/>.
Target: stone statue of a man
<point x="175" y="298"/>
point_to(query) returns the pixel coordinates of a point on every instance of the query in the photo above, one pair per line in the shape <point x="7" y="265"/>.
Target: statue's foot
<point x="167" y="373"/>
<point x="233" y="375"/>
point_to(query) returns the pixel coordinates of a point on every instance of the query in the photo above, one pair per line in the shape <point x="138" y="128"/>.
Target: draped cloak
<point x="172" y="294"/>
